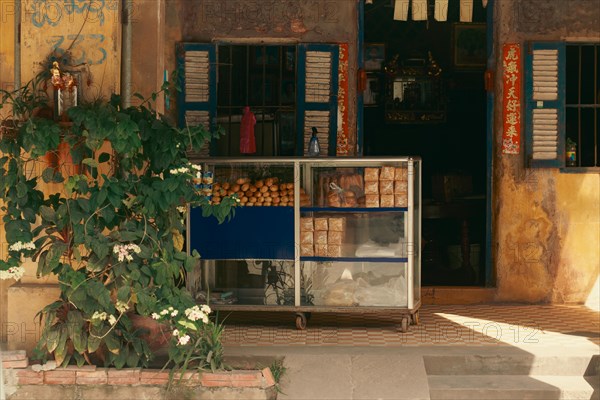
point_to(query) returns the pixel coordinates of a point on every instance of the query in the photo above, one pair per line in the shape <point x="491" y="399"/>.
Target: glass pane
<point x="224" y="89"/>
<point x="370" y="187"/>
<point x="587" y="75"/>
<point x="376" y="234"/>
<point x="572" y="75"/>
<point x="597" y="143"/>
<point x="350" y="284"/>
<point x="248" y="282"/>
<point x="587" y="147"/>
<point x="597" y="76"/>
<point x="572" y="126"/>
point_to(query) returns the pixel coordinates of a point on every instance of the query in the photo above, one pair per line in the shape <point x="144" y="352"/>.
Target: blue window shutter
<point x="197" y="101"/>
<point x="317" y="96"/>
<point x="545" y="104"/>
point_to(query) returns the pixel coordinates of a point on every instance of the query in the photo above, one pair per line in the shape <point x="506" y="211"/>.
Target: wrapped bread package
<point x="349" y="199"/>
<point x="352" y="182"/>
<point x="321" y="224"/>
<point x="401" y="200"/>
<point x="386" y="200"/>
<point x="306" y="224"/>
<point x="321" y="250"/>
<point x="400" y="187"/>
<point x="306" y="237"/>
<point x="401" y="174"/>
<point x="337" y="224"/>
<point x="334" y="250"/>
<point x="334" y="199"/>
<point x="307" y="250"/>
<point x="372" y="187"/>
<point x="387" y="173"/>
<point x="320" y="237"/>
<point x="335" y="237"/>
<point x="372" y="200"/>
<point x="386" y="187"/>
<point x="371" y="174"/>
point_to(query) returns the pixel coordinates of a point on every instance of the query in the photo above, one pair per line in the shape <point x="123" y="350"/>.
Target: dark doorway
<point x="428" y="99"/>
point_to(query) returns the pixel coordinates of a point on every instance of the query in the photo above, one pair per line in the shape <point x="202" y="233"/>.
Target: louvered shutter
<point x="198" y="77"/>
<point x="317" y="96"/>
<point x="545" y="80"/>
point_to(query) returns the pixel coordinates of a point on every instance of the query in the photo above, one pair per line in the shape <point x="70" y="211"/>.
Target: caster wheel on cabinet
<point x="404" y="325"/>
<point x="415" y="319"/>
<point x="301" y="321"/>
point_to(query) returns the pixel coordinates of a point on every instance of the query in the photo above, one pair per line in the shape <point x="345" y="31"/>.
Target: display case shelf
<point x="353" y="209"/>
<point x="356" y="259"/>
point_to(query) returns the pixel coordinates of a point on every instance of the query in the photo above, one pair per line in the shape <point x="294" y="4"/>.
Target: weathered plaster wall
<point x="7" y="59"/>
<point x="267" y="21"/>
<point x="91" y="33"/>
<point x="546" y="239"/>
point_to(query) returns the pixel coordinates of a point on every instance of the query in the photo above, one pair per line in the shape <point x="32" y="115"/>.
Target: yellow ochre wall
<point x="92" y="36"/>
<point x="546" y="223"/>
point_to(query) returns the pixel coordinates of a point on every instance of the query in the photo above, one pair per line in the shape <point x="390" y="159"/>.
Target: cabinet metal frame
<point x="413" y="220"/>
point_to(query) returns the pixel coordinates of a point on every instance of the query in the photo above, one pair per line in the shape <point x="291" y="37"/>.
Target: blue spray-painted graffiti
<point x="86" y="49"/>
<point x="52" y="12"/>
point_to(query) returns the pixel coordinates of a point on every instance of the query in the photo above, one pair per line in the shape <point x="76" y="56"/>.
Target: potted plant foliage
<point x="113" y="230"/>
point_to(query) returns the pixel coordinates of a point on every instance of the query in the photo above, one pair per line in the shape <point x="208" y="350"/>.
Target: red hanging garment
<point x="247" y="140"/>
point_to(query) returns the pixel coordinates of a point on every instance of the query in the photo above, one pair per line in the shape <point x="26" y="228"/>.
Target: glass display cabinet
<point x="312" y="235"/>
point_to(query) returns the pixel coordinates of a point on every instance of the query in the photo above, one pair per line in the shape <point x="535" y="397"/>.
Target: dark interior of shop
<point x="445" y="126"/>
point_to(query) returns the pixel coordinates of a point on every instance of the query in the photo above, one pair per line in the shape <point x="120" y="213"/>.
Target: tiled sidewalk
<point x="487" y="325"/>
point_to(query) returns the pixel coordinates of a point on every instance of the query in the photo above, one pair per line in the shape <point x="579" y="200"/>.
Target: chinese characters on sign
<point x="511" y="102"/>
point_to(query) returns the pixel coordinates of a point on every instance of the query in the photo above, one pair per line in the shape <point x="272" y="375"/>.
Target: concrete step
<point x="513" y="364"/>
<point x="504" y="387"/>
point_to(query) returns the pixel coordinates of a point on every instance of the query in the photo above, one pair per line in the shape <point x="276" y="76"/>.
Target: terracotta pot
<point x="62" y="158"/>
<point x="156" y="334"/>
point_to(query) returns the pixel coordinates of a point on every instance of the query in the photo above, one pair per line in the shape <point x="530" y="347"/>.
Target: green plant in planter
<point x="112" y="233"/>
<point x="195" y="342"/>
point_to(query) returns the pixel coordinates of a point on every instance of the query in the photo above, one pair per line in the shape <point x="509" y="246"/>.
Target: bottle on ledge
<point x="314" y="150"/>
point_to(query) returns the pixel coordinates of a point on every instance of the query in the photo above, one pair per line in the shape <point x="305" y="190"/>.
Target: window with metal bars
<point x="291" y="90"/>
<point x="563" y="105"/>
<point x="264" y="79"/>
<point x="582" y="105"/>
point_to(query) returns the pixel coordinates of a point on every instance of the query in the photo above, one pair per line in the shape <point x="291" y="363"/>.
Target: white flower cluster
<point x="15" y="273"/>
<point x="182" y="340"/>
<point x="181" y="209"/>
<point x="124" y="251"/>
<point x="195" y="313"/>
<point x="102" y="316"/>
<point x="167" y="311"/>
<point x="121" y="306"/>
<point x="190" y="168"/>
<point x="21" y="246"/>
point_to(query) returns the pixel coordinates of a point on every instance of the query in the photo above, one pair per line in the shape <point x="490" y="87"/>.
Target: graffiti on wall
<point x="85" y="49"/>
<point x="52" y="12"/>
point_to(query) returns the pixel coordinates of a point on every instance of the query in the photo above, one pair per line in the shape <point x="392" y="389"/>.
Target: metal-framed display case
<point x="313" y="235"/>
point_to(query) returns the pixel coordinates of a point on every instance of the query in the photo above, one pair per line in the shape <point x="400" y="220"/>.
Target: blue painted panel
<point x="254" y="233"/>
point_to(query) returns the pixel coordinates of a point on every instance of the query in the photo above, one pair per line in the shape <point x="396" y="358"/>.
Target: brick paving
<point x="478" y="325"/>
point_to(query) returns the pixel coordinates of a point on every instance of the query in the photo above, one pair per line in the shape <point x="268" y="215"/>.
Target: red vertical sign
<point x="511" y="102"/>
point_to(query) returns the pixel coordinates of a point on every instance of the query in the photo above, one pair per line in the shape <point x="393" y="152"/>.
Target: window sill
<point x="580" y="170"/>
